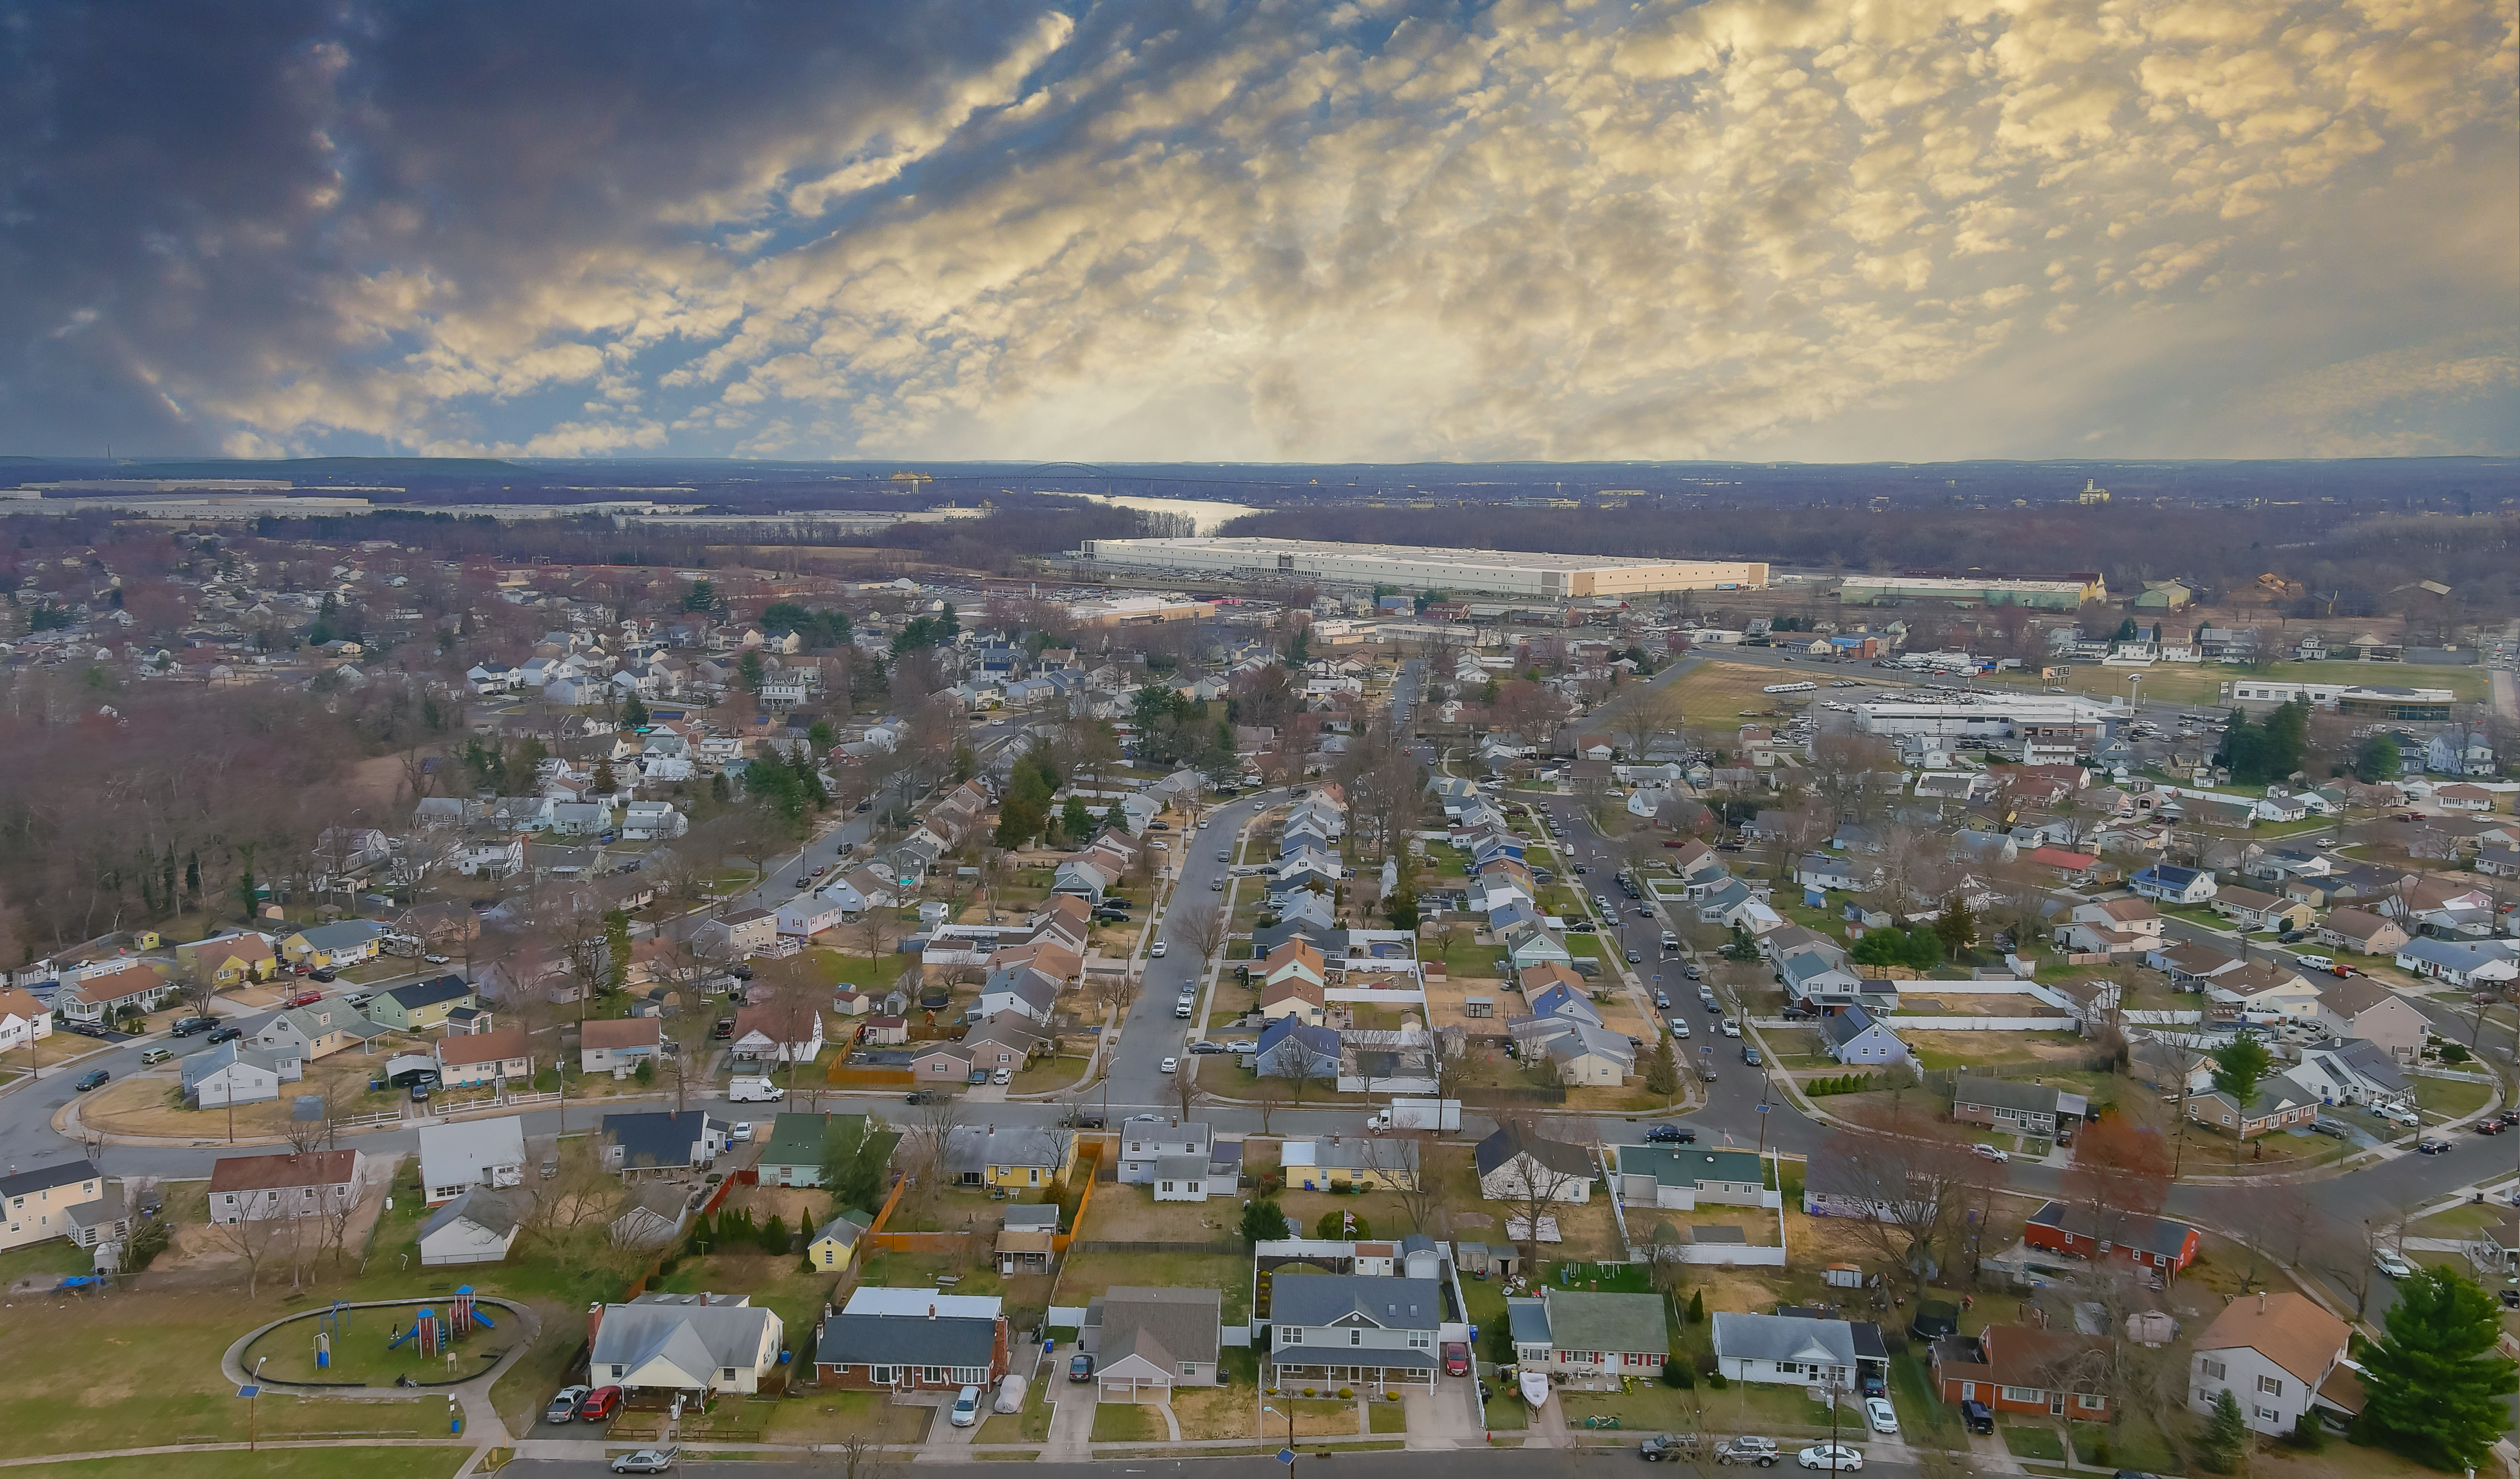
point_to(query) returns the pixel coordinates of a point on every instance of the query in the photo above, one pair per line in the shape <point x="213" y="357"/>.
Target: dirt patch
<point x="1224" y="1411"/>
<point x="1130" y="1214"/>
<point x="793" y="1205"/>
<point x="150" y="1103"/>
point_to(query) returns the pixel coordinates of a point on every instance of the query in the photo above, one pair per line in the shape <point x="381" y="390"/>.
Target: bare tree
<point x="1200" y="926"/>
<point x="930" y="1135"/>
<point x="254" y="1240"/>
<point x="1185" y="1085"/>
<point x="1904" y="1194"/>
<point x="1301" y="1061"/>
<point x="1537" y="1172"/>
<point x="1267" y="1095"/>
<point x="341" y="1211"/>
<point x="1399" y="1159"/>
<point x="2350" y="1257"/>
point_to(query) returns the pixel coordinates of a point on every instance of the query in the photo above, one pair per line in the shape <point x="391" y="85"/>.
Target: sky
<point x="1363" y="231"/>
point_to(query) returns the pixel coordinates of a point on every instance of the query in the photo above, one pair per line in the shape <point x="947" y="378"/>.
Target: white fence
<point x="1066" y="1316"/>
<point x="1981" y="1024"/>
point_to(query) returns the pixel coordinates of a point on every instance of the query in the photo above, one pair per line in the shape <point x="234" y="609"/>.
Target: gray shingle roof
<point x="1398" y="1304"/>
<point x="1783" y="1337"/>
<point x="1581" y="1321"/>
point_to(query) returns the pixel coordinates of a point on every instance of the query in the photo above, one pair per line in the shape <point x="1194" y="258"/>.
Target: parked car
<point x="966" y="1407"/>
<point x="601" y="1403"/>
<point x="226" y="1035"/>
<point x="647" y="1461"/>
<point x="2432" y="1148"/>
<point x="1762" y="1452"/>
<point x="1635" y="958"/>
<point x="1978" y="1416"/>
<point x="563" y="1405"/>
<point x="741" y="1132"/>
<point x="306" y="999"/>
<point x="1989" y="1152"/>
<point x="1691" y="971"/>
<point x="1731" y="1028"/>
<point x="1750" y="1054"/>
<point x="2329" y="1128"/>
<point x="1169" y="1066"/>
<point x="1670" y="1135"/>
<point x="1661" y="1448"/>
<point x="1080" y="1368"/>
<point x="1205" y="1046"/>
<point x="187" y="1027"/>
<point x="1160" y="947"/>
<point x="1879" y="1415"/>
<point x="94" y="1078"/>
<point x="2388" y="1262"/>
<point x="1457" y="1357"/>
<point x="920" y="1097"/>
<point x="1835" y="1457"/>
<point x="1004" y="1075"/>
<point x="434" y="959"/>
<point x="320" y="975"/>
<point x="2489" y="1127"/>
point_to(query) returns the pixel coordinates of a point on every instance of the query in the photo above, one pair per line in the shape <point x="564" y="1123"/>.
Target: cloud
<point x="1732" y="228"/>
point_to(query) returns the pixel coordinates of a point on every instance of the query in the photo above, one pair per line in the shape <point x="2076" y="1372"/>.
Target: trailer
<point x="1790" y="687"/>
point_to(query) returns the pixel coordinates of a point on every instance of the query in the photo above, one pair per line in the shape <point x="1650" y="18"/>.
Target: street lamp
<point x="1289" y="1449"/>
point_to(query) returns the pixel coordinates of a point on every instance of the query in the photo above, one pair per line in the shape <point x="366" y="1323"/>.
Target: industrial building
<point x="2050" y="726"/>
<point x="2049" y="593"/>
<point x="1137" y="611"/>
<point x="2359" y="700"/>
<point x="1414" y="568"/>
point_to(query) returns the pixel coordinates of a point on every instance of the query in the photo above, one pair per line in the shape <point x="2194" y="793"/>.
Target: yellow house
<point x="835" y="1242"/>
<point x="230" y="959"/>
<point x="66" y="1200"/>
<point x="345" y="943"/>
<point x="1374" y="1163"/>
<point x="1014" y="1155"/>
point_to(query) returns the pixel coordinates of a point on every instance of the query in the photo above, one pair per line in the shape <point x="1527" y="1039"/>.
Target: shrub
<point x="1308" y="1391"/>
<point x="1715" y="1382"/>
<point x="1697" y="1307"/>
<point x="646" y="1072"/>
<point x="1676" y="1373"/>
<point x="1347" y="1394"/>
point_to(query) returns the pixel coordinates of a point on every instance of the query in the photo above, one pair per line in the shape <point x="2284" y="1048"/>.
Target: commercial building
<point x="2054" y="717"/>
<point x="1137" y="611"/>
<point x="2051" y="593"/>
<point x="1412" y="567"/>
<point x="2353" y="700"/>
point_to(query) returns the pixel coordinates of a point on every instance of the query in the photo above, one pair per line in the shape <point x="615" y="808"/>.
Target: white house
<point x="1787" y="1350"/>
<point x="2459" y="963"/>
<point x="652" y="820"/>
<point x="810" y="913"/>
<point x="495" y="856"/>
<point x="1853" y="1038"/>
<point x="478" y="1227"/>
<point x="455" y="1158"/>
<point x="685" y="1343"/>
<point x="1515" y="1167"/>
<point x="2280" y="1355"/>
<point x="285" y="1184"/>
<point x="233" y="1074"/>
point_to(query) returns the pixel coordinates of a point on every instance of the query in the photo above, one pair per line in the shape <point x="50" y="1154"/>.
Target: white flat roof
<point x="1512" y="559"/>
<point x="920" y="1303"/>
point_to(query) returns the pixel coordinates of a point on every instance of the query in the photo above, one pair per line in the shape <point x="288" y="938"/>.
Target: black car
<point x="2291" y="935"/>
<point x="226" y="1035"/>
<point x="921" y="1096"/>
<point x="1671" y="1135"/>
<point x="94" y="1078"/>
<point x="1080" y="1368"/>
<point x="320" y="975"/>
<point x="187" y="1027"/>
<point x="1978" y="1416"/>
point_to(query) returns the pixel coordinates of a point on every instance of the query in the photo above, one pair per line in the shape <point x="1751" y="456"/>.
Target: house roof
<point x="1394" y="1304"/>
<point x="778" y="1022"/>
<point x="2004" y="1093"/>
<point x="2287" y="1329"/>
<point x="843" y="1230"/>
<point x="2352" y="997"/>
<point x="1509" y="1141"/>
<point x="429" y="993"/>
<point x="68" y="1173"/>
<point x="1163" y="1326"/>
<point x="695" y="1339"/>
<point x="2354" y="924"/>
<point x="468" y="1048"/>
<point x="265" y="1173"/>
<point x="2158" y="1234"/>
<point x="1582" y="1321"/>
<point x="1783" y="1337"/>
<point x="494" y="1212"/>
<point x="621" y="1032"/>
<point x="1848" y="1025"/>
<point x="906" y="1339"/>
<point x="659" y="1138"/>
<point x="974" y="1148"/>
<point x="459" y="1151"/>
<point x="1688" y="1166"/>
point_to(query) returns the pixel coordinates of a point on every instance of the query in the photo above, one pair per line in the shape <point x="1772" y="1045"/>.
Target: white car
<point x="1989" y="1152"/>
<point x="966" y="1407"/>
<point x="1203" y="823"/>
<point x="1878" y="1413"/>
<point x="1830" y="1455"/>
<point x="2388" y="1262"/>
<point x="1731" y="1028"/>
<point x="1679" y="1028"/>
<point x="1002" y="1076"/>
<point x="741" y="1132"/>
<point x="1169" y="1066"/>
<point x="1159" y="951"/>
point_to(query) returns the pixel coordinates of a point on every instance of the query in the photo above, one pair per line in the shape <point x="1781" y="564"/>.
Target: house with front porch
<point x="2252" y="910"/>
<point x="1147" y="1341"/>
<point x="913" y="1340"/>
<point x="112" y="992"/>
<point x="2025" y="1369"/>
<point x="1582" y="1333"/>
<point x="1347" y="1329"/>
<point x="1790" y="1350"/>
<point x="2354" y="1072"/>
<point x="2015" y="1105"/>
<point x="684" y="1345"/>
<point x="2465" y="964"/>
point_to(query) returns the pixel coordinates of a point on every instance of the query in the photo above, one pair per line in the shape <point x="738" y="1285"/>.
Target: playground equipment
<point x="328" y="1332"/>
<point x="467" y="1313"/>
<point x="438" y="1333"/>
<point x="429" y="1329"/>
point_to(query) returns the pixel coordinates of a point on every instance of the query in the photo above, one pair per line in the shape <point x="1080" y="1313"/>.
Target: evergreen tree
<point x="634" y="713"/>
<point x="1697" y="1307"/>
<point x="774" y="1235"/>
<point x="1402" y="907"/>
<point x="965" y="764"/>
<point x="701" y="597"/>
<point x="1116" y="818"/>
<point x="749" y="671"/>
<point x="2226" y="1435"/>
<point x="616" y="950"/>
<point x="1662" y="1073"/>
<point x="1075" y="820"/>
<point x="2239" y="1066"/>
<point x="719" y="790"/>
<point x="819" y="734"/>
<point x="1263" y="1222"/>
<point x="1956" y="926"/>
<point x="605" y="782"/>
<point x="2431" y="1386"/>
<point x="2377" y="759"/>
<point x="193" y="876"/>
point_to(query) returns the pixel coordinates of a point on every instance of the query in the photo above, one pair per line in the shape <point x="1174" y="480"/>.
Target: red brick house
<point x="2022" y="1369"/>
<point x="912" y="1340"/>
<point x="2156" y="1242"/>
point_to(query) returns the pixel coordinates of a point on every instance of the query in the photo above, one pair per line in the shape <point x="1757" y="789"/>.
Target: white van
<point x="752" y="1089"/>
<point x="2316" y="961"/>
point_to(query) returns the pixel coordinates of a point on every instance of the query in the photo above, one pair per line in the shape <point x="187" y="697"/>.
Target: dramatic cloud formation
<point x="1372" y="230"/>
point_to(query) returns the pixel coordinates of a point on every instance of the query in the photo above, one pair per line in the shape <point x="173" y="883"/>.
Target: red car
<point x="600" y="1404"/>
<point x="306" y="999"/>
<point x="1457" y="1357"/>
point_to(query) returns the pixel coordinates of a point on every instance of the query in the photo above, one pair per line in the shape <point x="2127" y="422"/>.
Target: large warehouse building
<point x="2059" y="593"/>
<point x="1514" y="572"/>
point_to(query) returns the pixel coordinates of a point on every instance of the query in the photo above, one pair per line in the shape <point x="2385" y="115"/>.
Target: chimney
<point x="594" y="1323"/>
<point x="931" y="1309"/>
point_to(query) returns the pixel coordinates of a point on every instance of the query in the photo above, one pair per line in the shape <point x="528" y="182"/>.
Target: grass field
<point x="1712" y="695"/>
<point x="2199" y="684"/>
<point x="2449" y="1098"/>
<point x="273" y="1463"/>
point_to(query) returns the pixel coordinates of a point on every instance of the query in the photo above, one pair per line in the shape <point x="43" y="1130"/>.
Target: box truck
<point x="1418" y="1114"/>
<point x="752" y="1089"/>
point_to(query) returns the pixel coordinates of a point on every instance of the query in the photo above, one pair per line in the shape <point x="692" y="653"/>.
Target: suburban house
<point x="1370" y="1162"/>
<point x="232" y="1073"/>
<point x="2361" y="1008"/>
<point x="1518" y="1166"/>
<point x="618" y="1045"/>
<point x="1793" y="1350"/>
<point x="2110" y="926"/>
<point x="455" y="1158"/>
<point x="2459" y="963"/>
<point x="792" y="1155"/>
<point x="230" y="959"/>
<point x="285" y="1185"/>
<point x="485" y="1057"/>
<point x="2360" y="930"/>
<point x="2021" y="1368"/>
<point x="2252" y="910"/>
<point x="2173" y="885"/>
<point x="2281" y="1355"/>
<point x="2156" y="1242"/>
<point x="66" y="1200"/>
<point x="1682" y="1178"/>
<point x="835" y="1242"/>
<point x="1289" y="1048"/>
<point x="1020" y="989"/>
<point x="1154" y="1149"/>
<point x="22" y="1018"/>
<point x="108" y="993"/>
<point x="1146" y="1341"/>
<point x="1349" y="1329"/>
<point x="2015" y="1105"/>
<point x="421" y="1004"/>
<point x="778" y="1032"/>
<point x="477" y="1227"/>
<point x="315" y="1031"/>
<point x="662" y="1140"/>
<point x="2280" y="1102"/>
<point x="330" y="947"/>
<point x="1580" y="1052"/>
<point x="683" y="1343"/>
<point x="1583" y="1333"/>
<point x="912" y="1340"/>
<point x="2354" y="1072"/>
<point x="1027" y="1238"/>
<point x="1853" y="1038"/>
<point x="1292" y="996"/>
<point x="737" y="935"/>
<point x="1018" y="1155"/>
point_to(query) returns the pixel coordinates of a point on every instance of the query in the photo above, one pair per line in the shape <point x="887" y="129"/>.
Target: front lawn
<point x="2033" y="1442"/>
<point x="1122" y="1423"/>
<point x="2449" y="1099"/>
<point x="322" y="1463"/>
